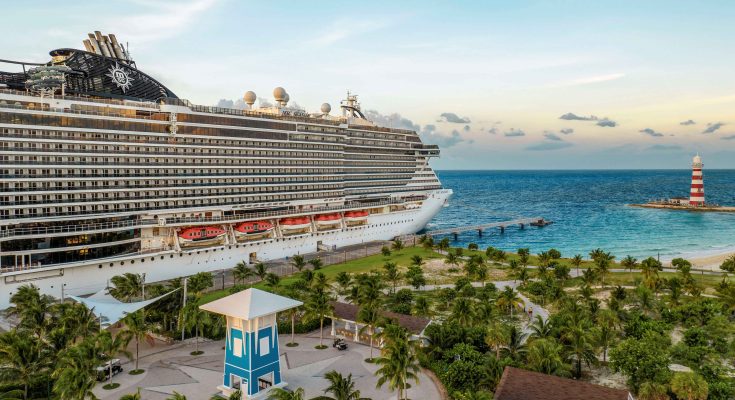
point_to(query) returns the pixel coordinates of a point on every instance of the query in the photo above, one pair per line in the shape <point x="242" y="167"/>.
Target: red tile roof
<point x="519" y="384"/>
<point x="414" y="324"/>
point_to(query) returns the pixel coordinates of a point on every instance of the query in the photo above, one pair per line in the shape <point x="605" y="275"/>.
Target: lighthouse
<point x="696" y="195"/>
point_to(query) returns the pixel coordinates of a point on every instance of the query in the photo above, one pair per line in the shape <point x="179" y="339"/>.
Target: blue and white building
<point x="252" y="357"/>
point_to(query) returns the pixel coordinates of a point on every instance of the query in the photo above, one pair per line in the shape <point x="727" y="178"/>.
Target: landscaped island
<point x="623" y="323"/>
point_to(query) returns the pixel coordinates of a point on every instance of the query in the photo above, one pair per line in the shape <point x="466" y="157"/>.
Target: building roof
<point x="413" y="324"/>
<point x="519" y="384"/>
<point x="251" y="303"/>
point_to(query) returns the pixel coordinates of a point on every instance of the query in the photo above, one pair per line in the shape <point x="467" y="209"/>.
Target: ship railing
<point x="80" y="112"/>
<point x="134" y="103"/>
<point x="37" y="265"/>
<point x="12" y="232"/>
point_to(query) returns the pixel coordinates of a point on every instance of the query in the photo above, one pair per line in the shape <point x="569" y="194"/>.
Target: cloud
<point x="549" y="145"/>
<point x="514" y="133"/>
<point x="606" y="123"/>
<point x="161" y="20"/>
<point x="431" y="136"/>
<point x="664" y="147"/>
<point x="493" y="130"/>
<point x="651" y="132"/>
<point x="575" y="117"/>
<point x="567" y="131"/>
<point x="713" y="126"/>
<point x="453" y="118"/>
<point x="728" y="137"/>
<point x="589" y="80"/>
<point x="466" y="128"/>
<point x="552" y="136"/>
<point x="687" y="122"/>
<point x="394" y="120"/>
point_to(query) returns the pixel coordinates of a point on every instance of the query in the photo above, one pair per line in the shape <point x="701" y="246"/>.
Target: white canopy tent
<point x="111" y="310"/>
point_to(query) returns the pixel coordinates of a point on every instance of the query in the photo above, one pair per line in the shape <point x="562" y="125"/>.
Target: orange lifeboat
<point x="356" y="216"/>
<point x="328" y="219"/>
<point x="201" y="234"/>
<point x="253" y="227"/>
<point x="297" y="223"/>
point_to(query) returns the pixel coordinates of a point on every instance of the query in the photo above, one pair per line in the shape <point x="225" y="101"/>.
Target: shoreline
<point x="707" y="260"/>
<point x="722" y="209"/>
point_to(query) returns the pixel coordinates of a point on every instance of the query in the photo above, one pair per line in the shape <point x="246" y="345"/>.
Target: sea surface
<point x="590" y="210"/>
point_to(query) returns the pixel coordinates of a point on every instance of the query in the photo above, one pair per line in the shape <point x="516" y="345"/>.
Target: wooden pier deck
<point x="520" y="222"/>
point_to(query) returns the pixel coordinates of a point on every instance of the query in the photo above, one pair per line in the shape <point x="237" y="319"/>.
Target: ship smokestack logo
<point x="120" y="77"/>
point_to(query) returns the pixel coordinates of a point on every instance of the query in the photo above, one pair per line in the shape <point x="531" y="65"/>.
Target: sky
<point x="497" y="84"/>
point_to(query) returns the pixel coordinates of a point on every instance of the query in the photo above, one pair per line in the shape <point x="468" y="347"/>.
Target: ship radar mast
<point x="351" y="107"/>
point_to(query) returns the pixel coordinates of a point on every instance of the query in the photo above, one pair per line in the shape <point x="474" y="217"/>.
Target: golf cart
<point x="339" y="344"/>
<point x="103" y="371"/>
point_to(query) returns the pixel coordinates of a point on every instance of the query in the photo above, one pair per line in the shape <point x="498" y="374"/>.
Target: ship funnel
<point x="106" y="45"/>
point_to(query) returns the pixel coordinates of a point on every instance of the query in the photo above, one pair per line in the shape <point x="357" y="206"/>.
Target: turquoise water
<point x="589" y="210"/>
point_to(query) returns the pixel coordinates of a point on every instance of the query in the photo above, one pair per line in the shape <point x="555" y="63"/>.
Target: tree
<point x="75" y="373"/>
<point x="385" y="250"/>
<point x="200" y="281"/>
<point x="127" y="287"/>
<point x="472" y="247"/>
<point x="316" y="263"/>
<point x="344" y="281"/>
<point x="496" y="336"/>
<point x="242" y="272"/>
<point x="282" y="394"/>
<point x="577" y="261"/>
<point x="508" y="300"/>
<point x="689" y="386"/>
<point x="579" y="344"/>
<point x="31" y="308"/>
<point x="452" y="259"/>
<point x="523" y="256"/>
<point x="298" y="262"/>
<point x="463" y="311"/>
<point x="482" y="273"/>
<point x="398" y="363"/>
<point x="176" y="396"/>
<point x="261" y="270"/>
<point x="109" y="345"/>
<point x="541" y="328"/>
<point x="607" y="322"/>
<point x="193" y="317"/>
<point x="554" y="254"/>
<point x="650" y="268"/>
<point x="22" y="358"/>
<point x="515" y="345"/>
<point x="422" y="306"/>
<point x="443" y="245"/>
<point x="340" y="387"/>
<point x="397" y="244"/>
<point x="392" y="274"/>
<point x="272" y="280"/>
<point x="415" y="276"/>
<point x="417" y="260"/>
<point x="318" y="306"/>
<point x="602" y="264"/>
<point x="137" y="328"/>
<point x="134" y="396"/>
<point x="653" y="391"/>
<point x="544" y="355"/>
<point x="642" y="360"/>
<point x="629" y="262"/>
<point x="428" y="243"/>
<point x="370" y="316"/>
<point x="729" y="264"/>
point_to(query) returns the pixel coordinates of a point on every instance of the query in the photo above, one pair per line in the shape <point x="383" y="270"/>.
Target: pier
<point x="521" y="223"/>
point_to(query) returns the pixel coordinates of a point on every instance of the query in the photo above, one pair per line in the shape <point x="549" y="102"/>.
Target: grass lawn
<point x="360" y="265"/>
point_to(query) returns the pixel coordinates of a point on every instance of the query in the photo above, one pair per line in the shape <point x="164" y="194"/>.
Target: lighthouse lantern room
<point x="696" y="195"/>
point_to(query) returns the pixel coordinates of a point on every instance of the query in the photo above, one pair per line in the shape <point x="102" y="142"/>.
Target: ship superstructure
<point x="104" y="170"/>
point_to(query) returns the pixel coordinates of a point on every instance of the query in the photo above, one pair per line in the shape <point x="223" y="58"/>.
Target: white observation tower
<point x="696" y="195"/>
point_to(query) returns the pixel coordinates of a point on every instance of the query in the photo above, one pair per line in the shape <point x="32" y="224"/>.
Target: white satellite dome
<point x="279" y="93"/>
<point x="286" y="99"/>
<point x="250" y="97"/>
<point x="326" y="108"/>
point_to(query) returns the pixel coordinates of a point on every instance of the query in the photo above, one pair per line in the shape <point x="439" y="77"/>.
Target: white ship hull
<point x="80" y="279"/>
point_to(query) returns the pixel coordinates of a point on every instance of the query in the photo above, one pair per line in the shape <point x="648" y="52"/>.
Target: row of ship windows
<point x="122" y="171"/>
<point x="144" y="206"/>
<point x="387" y="136"/>
<point x="168" y="140"/>
<point x="115" y="183"/>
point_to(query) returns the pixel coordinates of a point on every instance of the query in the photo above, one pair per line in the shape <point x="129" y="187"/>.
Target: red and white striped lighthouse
<point x="696" y="195"/>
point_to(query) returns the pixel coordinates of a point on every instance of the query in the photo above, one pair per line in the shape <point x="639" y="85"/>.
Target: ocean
<point x="590" y="210"/>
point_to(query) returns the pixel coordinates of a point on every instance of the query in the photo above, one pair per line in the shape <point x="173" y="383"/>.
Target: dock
<point x="681" y="207"/>
<point x="502" y="225"/>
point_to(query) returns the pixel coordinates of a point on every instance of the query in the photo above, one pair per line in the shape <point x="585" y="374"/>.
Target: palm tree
<point x="193" y="317"/>
<point x="109" y="346"/>
<point x="137" y="328"/>
<point x="729" y="264"/>
<point x="22" y="358"/>
<point x="272" y="280"/>
<point x="282" y="394"/>
<point x="428" y="242"/>
<point x="607" y="322"/>
<point x="689" y="386"/>
<point x="602" y="263"/>
<point x="261" y="270"/>
<point x="594" y="254"/>
<point x="31" y="308"/>
<point x="369" y="316"/>
<point x="12" y="395"/>
<point x="242" y="272"/>
<point x="298" y="262"/>
<point x="629" y="262"/>
<point x="392" y="274"/>
<point x="515" y="345"/>
<point x="523" y="256"/>
<point x="653" y="391"/>
<point x="75" y="374"/>
<point x="179" y="396"/>
<point x="495" y="336"/>
<point x="344" y="280"/>
<point x="341" y="388"/>
<point x="481" y="273"/>
<point x="397" y="244"/>
<point x="544" y="355"/>
<point x="452" y="259"/>
<point x="463" y="311"/>
<point x="134" y="396"/>
<point x="422" y="306"/>
<point x="318" y="306"/>
<point x="316" y="263"/>
<point x="540" y="328"/>
<point x="650" y="268"/>
<point x="398" y="363"/>
<point x="443" y="245"/>
<point x="579" y="340"/>
<point x="508" y="300"/>
<point x="127" y="287"/>
<point x="577" y="261"/>
<point x="417" y="260"/>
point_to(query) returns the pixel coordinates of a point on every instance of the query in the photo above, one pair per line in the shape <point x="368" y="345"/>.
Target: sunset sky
<point x="499" y="85"/>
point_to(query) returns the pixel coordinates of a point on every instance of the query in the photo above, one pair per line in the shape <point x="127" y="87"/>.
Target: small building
<point x="344" y="322"/>
<point x="252" y="357"/>
<point x="519" y="384"/>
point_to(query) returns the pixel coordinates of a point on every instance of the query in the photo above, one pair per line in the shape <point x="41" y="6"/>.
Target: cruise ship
<point x="104" y="170"/>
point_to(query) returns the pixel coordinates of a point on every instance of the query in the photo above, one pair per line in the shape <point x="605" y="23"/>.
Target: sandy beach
<point x="710" y="262"/>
